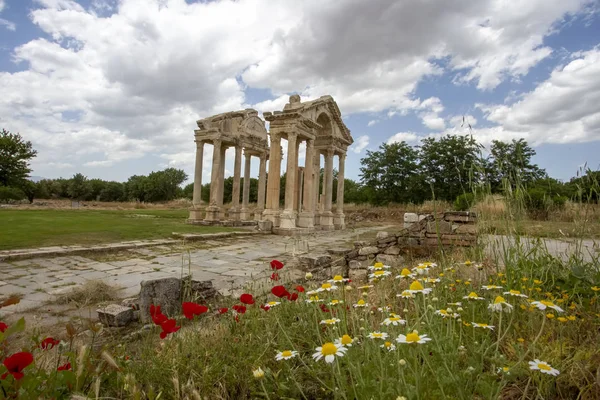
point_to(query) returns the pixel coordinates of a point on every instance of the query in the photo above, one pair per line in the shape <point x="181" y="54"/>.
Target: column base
<point x="245" y="214"/>
<point x="271" y="215"/>
<point x="326" y="221"/>
<point x="196" y="213"/>
<point x="213" y="213"/>
<point x="339" y="221"/>
<point x="306" y="219"/>
<point x="257" y="214"/>
<point x="234" y="213"/>
<point x="287" y="219"/>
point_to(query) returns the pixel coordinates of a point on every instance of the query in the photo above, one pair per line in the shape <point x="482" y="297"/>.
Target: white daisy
<point x="500" y="305"/>
<point x="361" y="303"/>
<point x="389" y="346"/>
<point x="331" y="321"/>
<point x="345" y="340"/>
<point x="486" y="326"/>
<point x="447" y="314"/>
<point x="491" y="287"/>
<point x="413" y="337"/>
<point x="516" y="293"/>
<point x="473" y="296"/>
<point x="416" y="287"/>
<point x="378" y="335"/>
<point x="286" y="355"/>
<point x="327" y="287"/>
<point x="329" y="351"/>
<point x="393" y="320"/>
<point x="379" y="274"/>
<point x="407" y="294"/>
<point x="405" y="274"/>
<point x="543" y="304"/>
<point x="543" y="367"/>
<point x="338" y="279"/>
<point x="378" y="266"/>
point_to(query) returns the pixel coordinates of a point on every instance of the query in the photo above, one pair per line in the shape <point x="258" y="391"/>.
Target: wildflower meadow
<point x="446" y="328"/>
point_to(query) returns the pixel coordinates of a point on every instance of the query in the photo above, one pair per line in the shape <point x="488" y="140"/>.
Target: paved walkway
<point x="230" y="262"/>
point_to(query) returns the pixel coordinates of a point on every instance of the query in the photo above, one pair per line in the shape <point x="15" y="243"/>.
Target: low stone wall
<point x="424" y="235"/>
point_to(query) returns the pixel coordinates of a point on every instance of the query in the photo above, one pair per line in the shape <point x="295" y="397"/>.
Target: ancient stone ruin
<point x="319" y="124"/>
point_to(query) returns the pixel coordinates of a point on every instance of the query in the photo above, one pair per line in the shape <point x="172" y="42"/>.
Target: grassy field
<point x="37" y="228"/>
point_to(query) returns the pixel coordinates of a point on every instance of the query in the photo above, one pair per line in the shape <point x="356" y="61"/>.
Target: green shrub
<point x="539" y="203"/>
<point x="10" y="194"/>
<point x="464" y="202"/>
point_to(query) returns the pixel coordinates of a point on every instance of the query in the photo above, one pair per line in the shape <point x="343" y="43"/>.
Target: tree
<point x="510" y="163"/>
<point x="113" y="191"/>
<point x="135" y="187"/>
<point x="164" y="185"/>
<point x="451" y="165"/>
<point x="393" y="174"/>
<point x="79" y="187"/>
<point x="15" y="154"/>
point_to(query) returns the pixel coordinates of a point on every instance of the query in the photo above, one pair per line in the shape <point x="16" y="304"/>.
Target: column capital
<point x="199" y="142"/>
<point x="342" y="156"/>
<point x="275" y="135"/>
<point x="329" y="152"/>
<point x="310" y="142"/>
<point x="217" y="142"/>
<point x="292" y="136"/>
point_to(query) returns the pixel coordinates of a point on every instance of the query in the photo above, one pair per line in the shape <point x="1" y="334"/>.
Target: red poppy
<point x="280" y="291"/>
<point x="168" y="327"/>
<point x="324" y="308"/>
<point x="275" y="265"/>
<point x="223" y="310"/>
<point x="293" y="297"/>
<point x="247" y="298"/>
<point x="64" y="367"/>
<point x="192" y="309"/>
<point x="157" y="317"/>
<point x="3" y="327"/>
<point x="274" y="276"/>
<point x="265" y="307"/>
<point x="16" y="363"/>
<point x="49" y="343"/>
<point x="240" y="309"/>
<point x="300" y="289"/>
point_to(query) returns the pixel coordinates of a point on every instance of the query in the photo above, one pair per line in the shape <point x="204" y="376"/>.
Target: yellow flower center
<point x="544" y="366"/>
<point x="335" y="301"/>
<point x="272" y="303"/>
<point x="328" y="349"/>
<point x="378" y="273"/>
<point x="416" y="285"/>
<point x="361" y="302"/>
<point x="406" y="293"/>
<point x="286" y="353"/>
<point x="468" y="262"/>
<point x="405" y="272"/>
<point x="394" y="319"/>
<point x="346" y="339"/>
<point x="326" y="286"/>
<point x="377" y="335"/>
<point x="473" y="295"/>
<point x="499" y="300"/>
<point x="330" y="321"/>
<point x="514" y="292"/>
<point x="547" y="303"/>
<point x="483" y="325"/>
<point x="412" y="338"/>
<point x="378" y="265"/>
<point x="338" y="278"/>
<point x="443" y="312"/>
<point x="388" y="344"/>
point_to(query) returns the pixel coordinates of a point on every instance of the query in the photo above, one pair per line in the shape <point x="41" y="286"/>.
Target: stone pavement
<point x="230" y="262"/>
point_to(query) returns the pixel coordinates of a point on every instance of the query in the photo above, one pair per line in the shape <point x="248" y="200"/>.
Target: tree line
<point x="450" y="168"/>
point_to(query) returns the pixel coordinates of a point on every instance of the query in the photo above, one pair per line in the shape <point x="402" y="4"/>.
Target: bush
<point x="464" y="202"/>
<point x="10" y="194"/>
<point x="539" y="203"/>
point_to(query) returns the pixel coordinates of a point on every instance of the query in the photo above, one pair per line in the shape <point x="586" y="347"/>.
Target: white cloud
<point x="408" y="137"/>
<point x="461" y="121"/>
<point x="11" y="26"/>
<point x="360" y="144"/>
<point x="373" y="122"/>
<point x="175" y="62"/>
<point x="564" y="108"/>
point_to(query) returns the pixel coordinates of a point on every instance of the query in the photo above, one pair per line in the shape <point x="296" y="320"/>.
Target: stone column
<point x="271" y="212"/>
<point x="307" y="215"/>
<point x="339" y="218"/>
<point x="317" y="184"/>
<point x="196" y="211"/>
<point x="262" y="179"/>
<point x="234" y="211"/>
<point x="221" y="179"/>
<point x="327" y="216"/>
<point x="245" y="215"/>
<point x="213" y="210"/>
<point x="288" y="217"/>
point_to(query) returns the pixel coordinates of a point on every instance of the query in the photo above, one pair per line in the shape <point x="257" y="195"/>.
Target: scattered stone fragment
<point x="115" y="315"/>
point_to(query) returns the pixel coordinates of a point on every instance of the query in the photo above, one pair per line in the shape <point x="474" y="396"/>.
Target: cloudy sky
<point x="112" y="88"/>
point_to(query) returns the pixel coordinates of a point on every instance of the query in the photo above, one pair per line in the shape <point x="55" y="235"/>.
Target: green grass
<point x="548" y="229"/>
<point x="39" y="228"/>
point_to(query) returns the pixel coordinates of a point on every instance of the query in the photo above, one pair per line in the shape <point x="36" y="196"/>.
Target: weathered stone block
<point x="352" y="255"/>
<point x="386" y="240"/>
<point x="413" y="242"/>
<point x="411" y="218"/>
<point x="115" y="315"/>
<point x="392" y="261"/>
<point x="392" y="250"/>
<point x="315" y="261"/>
<point x="467" y="229"/>
<point x="460" y="216"/>
<point x="360" y="243"/>
<point x="364" y="251"/>
<point x="355" y="264"/>
<point x="361" y="258"/>
<point x="339" y="251"/>
<point x="165" y="293"/>
<point x="439" y="226"/>
<point x="357" y="275"/>
<point x="382" y="235"/>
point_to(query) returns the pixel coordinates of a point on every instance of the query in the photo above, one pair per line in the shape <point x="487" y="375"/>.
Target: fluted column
<point x="212" y="211"/>
<point x="307" y="215"/>
<point x="221" y="177"/>
<point x="262" y="180"/>
<point x="339" y="219"/>
<point x="288" y="217"/>
<point x="234" y="211"/>
<point x="246" y="190"/>
<point x="316" y="188"/>
<point x="271" y="212"/>
<point x="327" y="216"/>
<point x="195" y="211"/>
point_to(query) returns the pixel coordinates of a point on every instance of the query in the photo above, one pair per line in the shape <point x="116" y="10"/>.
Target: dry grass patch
<point x="91" y="292"/>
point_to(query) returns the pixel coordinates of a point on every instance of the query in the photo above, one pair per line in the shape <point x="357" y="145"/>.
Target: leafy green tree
<point x="135" y="188"/>
<point x="79" y="187"/>
<point x="510" y="163"/>
<point x="393" y="174"/>
<point x="15" y="154"/>
<point x="164" y="185"/>
<point x="96" y="187"/>
<point x="586" y="187"/>
<point x="451" y="165"/>
<point x="112" y="191"/>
